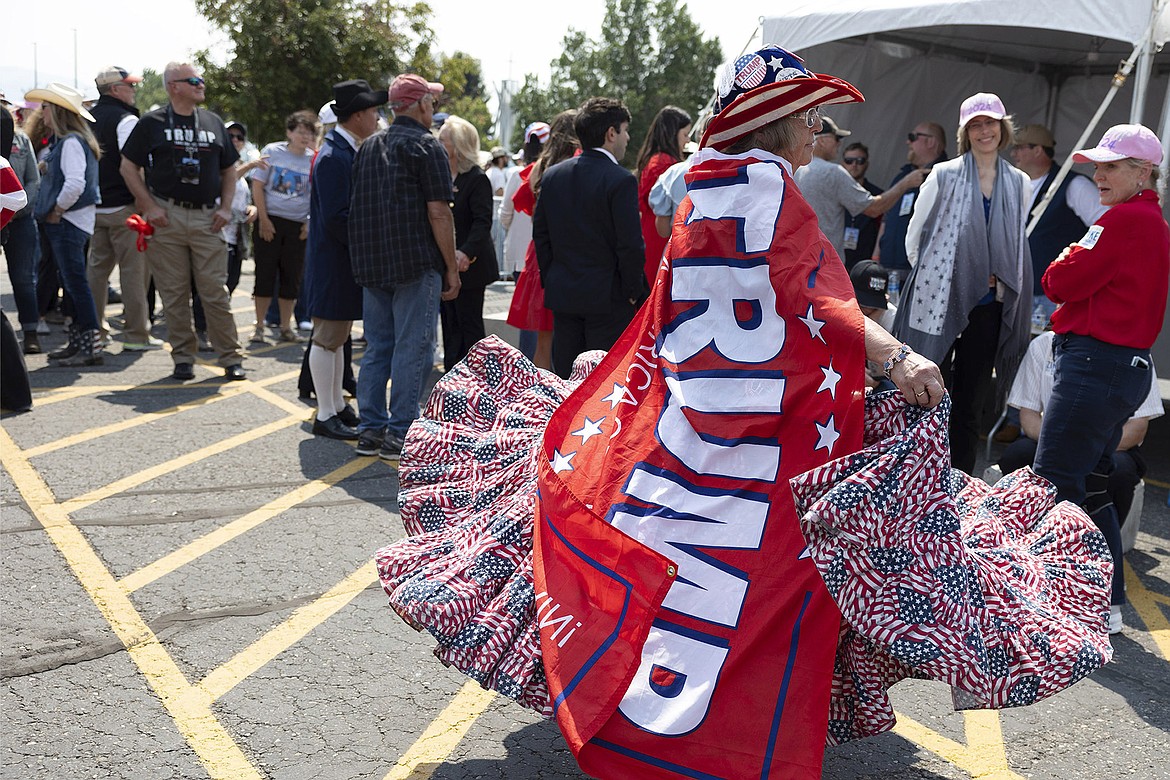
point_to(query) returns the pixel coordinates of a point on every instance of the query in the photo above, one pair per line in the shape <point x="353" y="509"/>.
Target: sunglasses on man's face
<point x="856" y="160"/>
<point x="236" y="136"/>
<point x="194" y="81"/>
<point x="912" y="137"/>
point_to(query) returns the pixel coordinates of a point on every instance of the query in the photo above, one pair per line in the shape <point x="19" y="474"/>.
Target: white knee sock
<point x="323" y="368"/>
<point x="338" y="376"/>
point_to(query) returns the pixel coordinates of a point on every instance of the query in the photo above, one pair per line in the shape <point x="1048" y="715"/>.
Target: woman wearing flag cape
<point x="660" y="551"/>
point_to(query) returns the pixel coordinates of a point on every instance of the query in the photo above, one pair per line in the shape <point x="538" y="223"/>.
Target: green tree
<point x="650" y="54"/>
<point x="464" y="92"/>
<point x="287" y="54"/>
<point x="151" y="92"/>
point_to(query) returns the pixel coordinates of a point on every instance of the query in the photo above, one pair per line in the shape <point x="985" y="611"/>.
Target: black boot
<point x="71" y="348"/>
<point x="89" y="351"/>
<point x="32" y="343"/>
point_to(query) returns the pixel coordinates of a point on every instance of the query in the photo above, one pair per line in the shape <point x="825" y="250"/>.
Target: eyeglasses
<point x="194" y="81"/>
<point x="811" y="117"/>
<point x="236" y="136"/>
<point x="912" y="137"/>
<point x="856" y="160"/>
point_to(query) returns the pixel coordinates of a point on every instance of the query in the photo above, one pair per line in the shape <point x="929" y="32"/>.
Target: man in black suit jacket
<point x="588" y="238"/>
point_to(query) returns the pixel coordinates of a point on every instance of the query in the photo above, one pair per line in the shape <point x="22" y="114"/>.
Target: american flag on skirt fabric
<point x="684" y="629"/>
<point x="467" y="492"/>
<point x="996" y="590"/>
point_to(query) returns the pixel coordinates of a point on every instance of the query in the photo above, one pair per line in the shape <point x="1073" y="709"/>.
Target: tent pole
<point x="1055" y="82"/>
<point x="1118" y="80"/>
<point x="1141" y="84"/>
<point x="1165" y="135"/>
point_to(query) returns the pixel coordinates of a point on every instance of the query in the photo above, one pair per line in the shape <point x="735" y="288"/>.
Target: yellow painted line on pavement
<point x="187" y="459"/>
<point x="983" y="757"/>
<point x="216" y="749"/>
<point x="431" y="749"/>
<point x="261" y="652"/>
<point x="225" y="392"/>
<point x="1147" y="602"/>
<point x="281" y="402"/>
<point x="1157" y="483"/>
<point x="985" y="740"/>
<point x="220" y="536"/>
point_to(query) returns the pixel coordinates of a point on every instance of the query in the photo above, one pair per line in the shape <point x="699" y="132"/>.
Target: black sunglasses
<point x="194" y="81"/>
<point x="912" y="137"/>
<point x="236" y="136"/>
<point x="856" y="160"/>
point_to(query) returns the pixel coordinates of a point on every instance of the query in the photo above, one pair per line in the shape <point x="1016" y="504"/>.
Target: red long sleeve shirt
<point x="1113" y="287"/>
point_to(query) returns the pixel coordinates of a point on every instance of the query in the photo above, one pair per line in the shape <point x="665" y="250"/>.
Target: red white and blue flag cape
<point x="684" y="630"/>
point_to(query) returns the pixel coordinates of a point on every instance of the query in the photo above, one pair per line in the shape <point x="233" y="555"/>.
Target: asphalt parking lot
<point x="187" y="592"/>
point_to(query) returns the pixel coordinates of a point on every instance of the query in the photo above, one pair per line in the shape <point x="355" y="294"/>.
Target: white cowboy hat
<point x="60" y="95"/>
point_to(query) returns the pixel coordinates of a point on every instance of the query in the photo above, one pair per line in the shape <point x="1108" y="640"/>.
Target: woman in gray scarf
<point x="966" y="303"/>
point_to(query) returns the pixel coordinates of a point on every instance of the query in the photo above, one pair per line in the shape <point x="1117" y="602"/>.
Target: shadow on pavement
<point x="535" y="751"/>
<point x="1139" y="677"/>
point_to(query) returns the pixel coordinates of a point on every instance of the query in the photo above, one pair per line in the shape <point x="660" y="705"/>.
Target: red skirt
<point x="527" y="311"/>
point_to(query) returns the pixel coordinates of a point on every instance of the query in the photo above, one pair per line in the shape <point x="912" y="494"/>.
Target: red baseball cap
<point x="408" y="88"/>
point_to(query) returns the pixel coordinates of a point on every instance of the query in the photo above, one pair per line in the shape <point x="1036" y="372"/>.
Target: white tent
<point x="1052" y="62"/>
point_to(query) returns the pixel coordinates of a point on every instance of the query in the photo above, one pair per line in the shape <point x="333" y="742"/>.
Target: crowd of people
<point x="928" y="286"/>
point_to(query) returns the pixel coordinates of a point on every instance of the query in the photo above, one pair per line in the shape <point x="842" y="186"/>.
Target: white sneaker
<point x="1115" y="624"/>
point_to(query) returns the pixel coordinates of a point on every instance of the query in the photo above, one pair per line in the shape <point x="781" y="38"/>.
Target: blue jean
<point x="68" y="244"/>
<point x="22" y="248"/>
<point x="1097" y="388"/>
<point x="400" y="325"/>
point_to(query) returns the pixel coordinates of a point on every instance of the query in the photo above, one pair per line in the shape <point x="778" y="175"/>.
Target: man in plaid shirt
<point x="402" y="249"/>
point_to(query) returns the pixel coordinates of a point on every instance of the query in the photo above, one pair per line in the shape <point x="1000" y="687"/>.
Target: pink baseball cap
<point x="981" y="104"/>
<point x="408" y="88"/>
<point x="1122" y="141"/>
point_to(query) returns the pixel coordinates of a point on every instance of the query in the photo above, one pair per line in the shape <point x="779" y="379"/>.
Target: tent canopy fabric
<point x="806" y="24"/>
<point x="1051" y="61"/>
<point x="916" y="60"/>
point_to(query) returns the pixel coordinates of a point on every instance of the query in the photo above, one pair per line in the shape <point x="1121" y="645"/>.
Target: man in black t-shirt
<point x="186" y="195"/>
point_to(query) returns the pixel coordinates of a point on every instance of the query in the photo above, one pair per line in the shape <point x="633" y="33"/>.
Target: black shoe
<point x="184" y="372"/>
<point x="391" y="447"/>
<point x="32" y="343"/>
<point x="234" y="373"/>
<point x="348" y="416"/>
<point x="370" y="442"/>
<point x="334" y="428"/>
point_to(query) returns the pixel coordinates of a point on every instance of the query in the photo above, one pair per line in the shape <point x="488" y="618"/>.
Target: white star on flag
<point x="562" y="462"/>
<point x="830" y="381"/>
<point x="590" y="429"/>
<point x="813" y="324"/>
<point x="827" y="435"/>
<point x="615" y="397"/>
